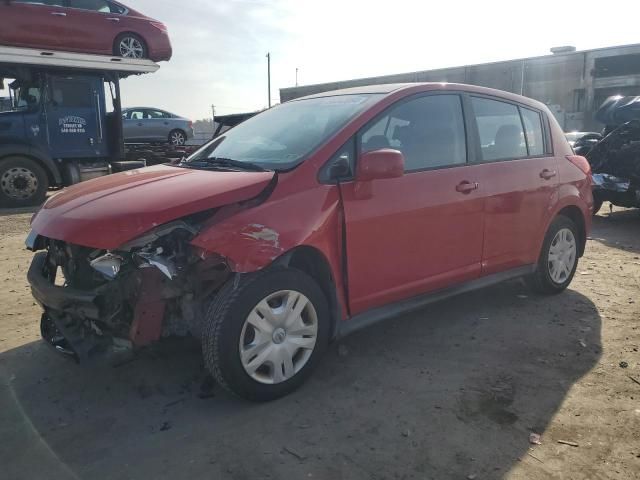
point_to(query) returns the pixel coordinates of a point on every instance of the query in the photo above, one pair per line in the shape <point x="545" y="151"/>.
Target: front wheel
<point x="130" y="45"/>
<point x="559" y="258"/>
<point x="264" y="334"/>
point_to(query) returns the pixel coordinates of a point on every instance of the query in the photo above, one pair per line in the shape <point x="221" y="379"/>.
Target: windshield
<point x="282" y="137"/>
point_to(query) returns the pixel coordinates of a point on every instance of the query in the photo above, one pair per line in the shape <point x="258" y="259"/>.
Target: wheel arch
<point x="576" y="216"/>
<point x="53" y="173"/>
<point x="313" y="262"/>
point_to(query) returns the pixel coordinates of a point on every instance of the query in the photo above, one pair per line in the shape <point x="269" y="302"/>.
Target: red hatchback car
<point x="308" y="221"/>
<point x="102" y="27"/>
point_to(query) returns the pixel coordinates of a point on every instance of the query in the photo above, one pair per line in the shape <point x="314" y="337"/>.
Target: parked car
<point x="154" y="125"/>
<point x="101" y="27"/>
<point x="308" y="221"/>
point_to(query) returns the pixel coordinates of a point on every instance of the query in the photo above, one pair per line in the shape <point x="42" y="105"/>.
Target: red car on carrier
<point x="102" y="27"/>
<point x="308" y="221"/>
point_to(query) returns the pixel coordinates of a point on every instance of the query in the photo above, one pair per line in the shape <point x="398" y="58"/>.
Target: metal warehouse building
<point x="573" y="84"/>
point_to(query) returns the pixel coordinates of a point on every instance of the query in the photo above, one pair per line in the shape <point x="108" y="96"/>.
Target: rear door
<point x="34" y="23"/>
<point x="75" y="115"/>
<point x="97" y="23"/>
<point x="134" y="127"/>
<point x="157" y="125"/>
<point x="516" y="167"/>
<point x="423" y="231"/>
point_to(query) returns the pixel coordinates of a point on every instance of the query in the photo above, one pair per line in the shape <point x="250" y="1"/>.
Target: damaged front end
<point x="615" y="162"/>
<point x="102" y="304"/>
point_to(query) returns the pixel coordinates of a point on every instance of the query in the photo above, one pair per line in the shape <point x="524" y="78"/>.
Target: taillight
<point x="160" y="26"/>
<point x="580" y="162"/>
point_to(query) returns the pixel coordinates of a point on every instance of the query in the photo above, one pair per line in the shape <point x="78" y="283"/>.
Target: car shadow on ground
<point x="446" y="392"/>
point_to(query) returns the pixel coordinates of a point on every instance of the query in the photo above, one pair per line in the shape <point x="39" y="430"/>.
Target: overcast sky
<point x="220" y="45"/>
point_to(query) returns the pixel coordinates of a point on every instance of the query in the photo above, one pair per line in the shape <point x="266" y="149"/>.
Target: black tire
<point x="174" y="135"/>
<point x="225" y="319"/>
<point x="117" y="51"/>
<point x="23" y="182"/>
<point x="541" y="281"/>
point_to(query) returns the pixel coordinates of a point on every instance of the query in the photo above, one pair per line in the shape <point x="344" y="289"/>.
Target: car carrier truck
<point x="64" y="124"/>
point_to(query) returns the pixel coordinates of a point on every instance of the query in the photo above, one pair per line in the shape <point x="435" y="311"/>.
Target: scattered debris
<point x="523" y="296"/>
<point x="343" y="351"/>
<point x="583" y="344"/>
<point x="633" y="379"/>
<point x="294" y="453"/>
<point x="304" y="426"/>
<point x="535" y="439"/>
<point x="473" y="476"/>
<point x="165" y="426"/>
<point x="406" y="433"/>
<point x="571" y="444"/>
<point x="624" y="365"/>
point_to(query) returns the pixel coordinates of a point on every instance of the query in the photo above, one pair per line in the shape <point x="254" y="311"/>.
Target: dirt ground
<point x="450" y="392"/>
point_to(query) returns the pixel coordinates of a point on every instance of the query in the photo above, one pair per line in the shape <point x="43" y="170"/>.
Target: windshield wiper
<point x="226" y="162"/>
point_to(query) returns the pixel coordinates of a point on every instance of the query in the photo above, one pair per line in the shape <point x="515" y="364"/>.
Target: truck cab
<point x="57" y="129"/>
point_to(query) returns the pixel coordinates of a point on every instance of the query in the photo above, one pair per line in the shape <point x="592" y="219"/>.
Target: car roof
<point x="392" y="88"/>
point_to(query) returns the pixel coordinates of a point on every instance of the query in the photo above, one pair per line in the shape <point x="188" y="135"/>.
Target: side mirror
<point x="380" y="164"/>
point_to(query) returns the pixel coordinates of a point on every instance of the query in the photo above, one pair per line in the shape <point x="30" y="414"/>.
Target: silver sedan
<point x="154" y="125"/>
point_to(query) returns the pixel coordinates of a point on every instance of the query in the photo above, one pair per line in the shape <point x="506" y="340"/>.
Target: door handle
<point x="547" y="174"/>
<point x="113" y="19"/>
<point x="59" y="14"/>
<point x="467" y="187"/>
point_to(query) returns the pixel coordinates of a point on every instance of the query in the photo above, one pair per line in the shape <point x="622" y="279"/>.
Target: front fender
<point x="251" y="239"/>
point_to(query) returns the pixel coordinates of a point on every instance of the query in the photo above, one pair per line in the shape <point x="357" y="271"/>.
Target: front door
<point x="38" y="24"/>
<point x="75" y="115"/>
<point x="96" y="25"/>
<point x="423" y="231"/>
<point x="519" y="173"/>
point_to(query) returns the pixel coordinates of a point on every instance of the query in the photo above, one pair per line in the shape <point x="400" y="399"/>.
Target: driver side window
<point x="428" y="130"/>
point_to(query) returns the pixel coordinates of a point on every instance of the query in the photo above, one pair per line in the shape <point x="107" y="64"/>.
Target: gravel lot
<point x="450" y="392"/>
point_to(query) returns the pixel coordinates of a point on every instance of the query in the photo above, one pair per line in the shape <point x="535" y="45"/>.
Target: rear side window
<point x="533" y="131"/>
<point x="96" y="6"/>
<point x="72" y="93"/>
<point x="428" y="130"/>
<point x="500" y="130"/>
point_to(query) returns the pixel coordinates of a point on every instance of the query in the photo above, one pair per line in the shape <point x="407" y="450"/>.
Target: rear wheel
<point x="264" y="335"/>
<point x="130" y="45"/>
<point x="23" y="182"/>
<point x="177" y="138"/>
<point x="559" y="257"/>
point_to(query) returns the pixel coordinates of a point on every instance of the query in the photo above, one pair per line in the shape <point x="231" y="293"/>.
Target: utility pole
<point x="213" y="115"/>
<point x="269" y="78"/>
<point x="296" y="76"/>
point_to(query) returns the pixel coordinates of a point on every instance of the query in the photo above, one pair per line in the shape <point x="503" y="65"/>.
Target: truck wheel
<point x="559" y="258"/>
<point x="23" y="182"/>
<point x="264" y="334"/>
<point x="130" y="45"/>
<point x="177" y="138"/>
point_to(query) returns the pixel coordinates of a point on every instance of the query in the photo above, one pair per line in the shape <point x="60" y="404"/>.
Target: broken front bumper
<point x="68" y="322"/>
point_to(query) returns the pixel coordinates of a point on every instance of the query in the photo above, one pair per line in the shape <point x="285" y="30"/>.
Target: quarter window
<point x="428" y="130"/>
<point x="500" y="130"/>
<point x="533" y="131"/>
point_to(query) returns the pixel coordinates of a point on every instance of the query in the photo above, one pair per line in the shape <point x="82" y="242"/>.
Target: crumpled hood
<point x="107" y="212"/>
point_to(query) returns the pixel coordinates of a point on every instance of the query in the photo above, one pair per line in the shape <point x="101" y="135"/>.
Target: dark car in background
<point x="102" y="27"/>
<point x="154" y="125"/>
